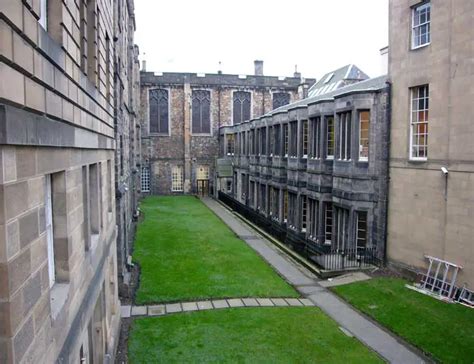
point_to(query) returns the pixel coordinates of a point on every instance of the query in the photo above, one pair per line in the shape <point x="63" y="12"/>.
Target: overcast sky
<point x="317" y="35"/>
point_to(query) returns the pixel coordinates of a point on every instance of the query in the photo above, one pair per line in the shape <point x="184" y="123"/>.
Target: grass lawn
<point x="256" y="335"/>
<point x="444" y="331"/>
<point x="186" y="252"/>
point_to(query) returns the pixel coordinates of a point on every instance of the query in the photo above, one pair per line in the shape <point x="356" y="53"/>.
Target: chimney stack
<point x="296" y="74"/>
<point x="144" y="65"/>
<point x="258" y="68"/>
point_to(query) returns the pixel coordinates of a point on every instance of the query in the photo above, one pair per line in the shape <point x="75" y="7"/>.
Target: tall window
<point x="421" y="18"/>
<point x="230" y="142"/>
<point x="293" y="139"/>
<point x="344" y="136"/>
<point x="342" y="228"/>
<point x="274" y="202"/>
<point x="328" y="222"/>
<point x="145" y="179"/>
<point x="280" y="99"/>
<point x="262" y="201"/>
<point x="304" y="213"/>
<point x="304" y="131"/>
<point x="263" y="141"/>
<point x="43" y="20"/>
<point x="419" y="122"/>
<point x="159" y="114"/>
<point x="49" y="229"/>
<point x="177" y="179"/>
<point x="315" y="138"/>
<point x="292" y="210"/>
<point x="201" y="114"/>
<point x="361" y="233"/>
<point x="242" y="102"/>
<point x="285" y="140"/>
<point x="252" y="194"/>
<point x="313" y="219"/>
<point x="330" y="137"/>
<point x="277" y="145"/>
<point x="285" y="206"/>
<point x="364" y="129"/>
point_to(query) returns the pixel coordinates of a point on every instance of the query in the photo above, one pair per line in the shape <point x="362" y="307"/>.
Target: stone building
<point x="314" y="174"/>
<point x="58" y="264"/>
<point x="127" y="134"/>
<point x="182" y="114"/>
<point x="431" y="211"/>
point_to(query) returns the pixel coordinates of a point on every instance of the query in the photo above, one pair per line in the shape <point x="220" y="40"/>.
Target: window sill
<point x="160" y="134"/>
<point x="417" y="160"/>
<point x="420" y="46"/>
<point x="58" y="296"/>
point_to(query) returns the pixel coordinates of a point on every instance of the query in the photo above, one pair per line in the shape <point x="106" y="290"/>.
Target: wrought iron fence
<point x="325" y="256"/>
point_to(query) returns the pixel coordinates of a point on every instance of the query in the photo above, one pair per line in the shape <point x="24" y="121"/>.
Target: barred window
<point x="304" y="131"/>
<point x="285" y="140"/>
<point x="328" y="222"/>
<point x="145" y="179"/>
<point x="421" y="20"/>
<point x="292" y="210"/>
<point x="177" y="179"/>
<point x="364" y="128"/>
<point x="280" y="99"/>
<point x="361" y="233"/>
<point x="159" y="123"/>
<point x="304" y="213"/>
<point x="242" y="102"/>
<point x="419" y="122"/>
<point x="201" y="114"/>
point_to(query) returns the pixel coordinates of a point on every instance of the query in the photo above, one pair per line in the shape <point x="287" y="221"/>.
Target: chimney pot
<point x="258" y="68"/>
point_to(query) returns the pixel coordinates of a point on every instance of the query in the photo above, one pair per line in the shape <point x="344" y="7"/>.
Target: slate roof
<point x="336" y="79"/>
<point x="371" y="84"/>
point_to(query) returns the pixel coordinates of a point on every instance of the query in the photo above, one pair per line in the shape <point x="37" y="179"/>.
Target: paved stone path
<point x="390" y="347"/>
<point x="169" y="308"/>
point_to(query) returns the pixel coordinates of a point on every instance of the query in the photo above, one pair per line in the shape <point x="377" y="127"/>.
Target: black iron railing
<point x="325" y="256"/>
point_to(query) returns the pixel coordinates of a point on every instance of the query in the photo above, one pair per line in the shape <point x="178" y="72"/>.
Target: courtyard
<point x="186" y="253"/>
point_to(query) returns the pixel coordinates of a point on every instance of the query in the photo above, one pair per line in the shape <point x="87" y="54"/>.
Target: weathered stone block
<point x="23" y="339"/>
<point x="29" y="230"/>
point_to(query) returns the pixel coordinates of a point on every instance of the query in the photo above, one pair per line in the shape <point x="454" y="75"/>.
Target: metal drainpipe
<point x="388" y="116"/>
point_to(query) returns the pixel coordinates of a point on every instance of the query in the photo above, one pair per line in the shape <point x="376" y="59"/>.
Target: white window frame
<point x="414" y="28"/>
<point x="227" y="138"/>
<point x="362" y="158"/>
<point x="305" y="138"/>
<point x="326" y="219"/>
<point x="145" y="179"/>
<point x="358" y="213"/>
<point x="304" y="213"/>
<point x="43" y="20"/>
<point x="177" y="181"/>
<point x="48" y="207"/>
<point x="344" y="120"/>
<point x="414" y="123"/>
<point x="330" y="156"/>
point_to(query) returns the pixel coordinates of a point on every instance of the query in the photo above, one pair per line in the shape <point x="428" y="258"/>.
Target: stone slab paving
<point x="220" y="304"/>
<point x="235" y="302"/>
<point x="189" y="306"/>
<point x="139" y="310"/>
<point x="306" y="302"/>
<point x="250" y="302"/>
<point x="345" y="279"/>
<point x="265" y="302"/>
<point x="157" y="310"/>
<point x="279" y="302"/>
<point x="204" y="305"/>
<point x="173" y="307"/>
<point x="293" y="302"/>
<point x="392" y="348"/>
<point x="125" y="311"/>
